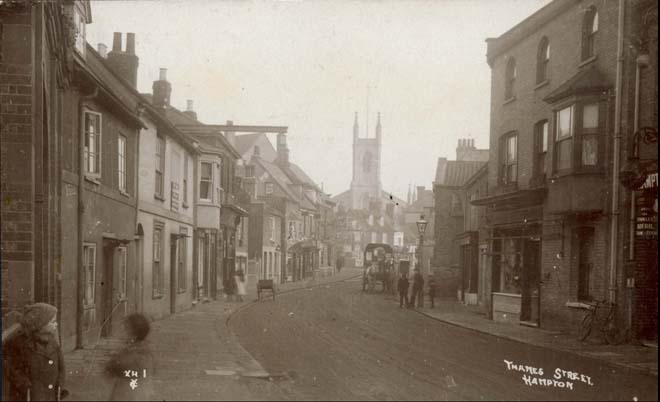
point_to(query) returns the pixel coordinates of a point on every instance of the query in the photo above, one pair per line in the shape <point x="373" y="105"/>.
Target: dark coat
<point x="418" y="281"/>
<point x="137" y="358"/>
<point x="402" y="285"/>
<point x="36" y="363"/>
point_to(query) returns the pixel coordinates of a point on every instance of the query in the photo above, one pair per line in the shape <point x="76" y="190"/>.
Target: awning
<point x="303" y="245"/>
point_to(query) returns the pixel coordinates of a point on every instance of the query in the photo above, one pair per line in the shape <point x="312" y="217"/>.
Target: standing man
<point x="417" y="288"/>
<point x="402" y="287"/>
<point x="432" y="285"/>
<point x="339" y="263"/>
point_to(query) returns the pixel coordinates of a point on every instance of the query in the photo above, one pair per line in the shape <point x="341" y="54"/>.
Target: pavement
<point x="193" y="347"/>
<point x="634" y="358"/>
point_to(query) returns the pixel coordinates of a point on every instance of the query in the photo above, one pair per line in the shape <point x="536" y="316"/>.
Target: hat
<point x="36" y="316"/>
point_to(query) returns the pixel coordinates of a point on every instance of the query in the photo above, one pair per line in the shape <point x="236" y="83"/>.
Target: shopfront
<point x="516" y="274"/>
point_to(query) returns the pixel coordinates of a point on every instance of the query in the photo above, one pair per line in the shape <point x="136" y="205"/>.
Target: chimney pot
<point x="230" y="122"/>
<point x="103" y="50"/>
<point x="130" y="43"/>
<point x="116" y="42"/>
<point x="189" y="105"/>
<point x="162" y="76"/>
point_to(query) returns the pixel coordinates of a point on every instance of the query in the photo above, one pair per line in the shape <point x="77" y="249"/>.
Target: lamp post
<point x="421" y="228"/>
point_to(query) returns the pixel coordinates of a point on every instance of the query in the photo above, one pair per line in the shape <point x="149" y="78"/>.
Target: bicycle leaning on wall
<point x="604" y="320"/>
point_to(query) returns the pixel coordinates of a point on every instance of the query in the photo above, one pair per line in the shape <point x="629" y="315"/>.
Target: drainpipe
<point x="642" y="62"/>
<point x="81" y="212"/>
<point x="617" y="156"/>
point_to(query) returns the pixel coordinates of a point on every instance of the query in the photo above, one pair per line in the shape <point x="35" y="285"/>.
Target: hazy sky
<point x="307" y="65"/>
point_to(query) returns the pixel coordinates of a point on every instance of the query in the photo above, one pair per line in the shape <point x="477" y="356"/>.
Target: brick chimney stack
<point x="282" y="150"/>
<point x="230" y="135"/>
<point x="125" y="64"/>
<point x="190" y="112"/>
<point x="465" y="149"/>
<point x="162" y="90"/>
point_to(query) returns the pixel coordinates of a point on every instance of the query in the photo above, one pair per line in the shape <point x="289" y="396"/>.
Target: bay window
<point x="590" y="134"/>
<point x="206" y="181"/>
<point x="578" y="137"/>
<point x="564" y="139"/>
<point x="160" y="167"/>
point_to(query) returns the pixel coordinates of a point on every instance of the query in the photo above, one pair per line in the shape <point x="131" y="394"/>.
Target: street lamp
<point x="421" y="228"/>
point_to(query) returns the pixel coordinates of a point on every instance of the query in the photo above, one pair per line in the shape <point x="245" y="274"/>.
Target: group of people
<point x="33" y="363"/>
<point x="416" y="298"/>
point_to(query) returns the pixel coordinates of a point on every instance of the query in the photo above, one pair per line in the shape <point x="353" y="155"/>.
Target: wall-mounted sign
<point x="646" y="206"/>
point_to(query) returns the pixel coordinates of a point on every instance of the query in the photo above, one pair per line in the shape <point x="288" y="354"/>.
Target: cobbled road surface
<point x="334" y="342"/>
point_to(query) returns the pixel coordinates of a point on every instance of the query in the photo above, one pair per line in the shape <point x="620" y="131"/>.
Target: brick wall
<point x="16" y="131"/>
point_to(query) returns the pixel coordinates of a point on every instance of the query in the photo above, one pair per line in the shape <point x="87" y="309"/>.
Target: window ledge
<point x="541" y="84"/>
<point x="181" y="291"/>
<point x="93" y="180"/>
<point x="124" y="193"/>
<point x="158" y="297"/>
<point x="159" y="197"/>
<point x="510" y="100"/>
<point x="587" y="61"/>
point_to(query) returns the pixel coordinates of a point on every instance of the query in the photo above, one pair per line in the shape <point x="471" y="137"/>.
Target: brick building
<point x="641" y="202"/>
<point x="450" y="177"/>
<point x="37" y="43"/>
<point x="472" y="242"/>
<point x="554" y="202"/>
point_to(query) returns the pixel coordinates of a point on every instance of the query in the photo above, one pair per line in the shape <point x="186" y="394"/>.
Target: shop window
<point x="510" y="266"/>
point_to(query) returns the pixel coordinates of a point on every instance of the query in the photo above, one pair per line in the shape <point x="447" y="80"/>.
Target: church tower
<point x="366" y="185"/>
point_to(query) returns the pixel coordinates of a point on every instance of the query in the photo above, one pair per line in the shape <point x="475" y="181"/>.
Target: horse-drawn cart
<point x="378" y="267"/>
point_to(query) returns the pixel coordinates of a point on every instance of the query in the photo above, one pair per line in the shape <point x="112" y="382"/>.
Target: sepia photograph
<point x="329" y="200"/>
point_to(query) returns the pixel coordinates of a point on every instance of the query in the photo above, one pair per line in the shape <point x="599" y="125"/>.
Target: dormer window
<point x="589" y="31"/>
<point x="269" y="188"/>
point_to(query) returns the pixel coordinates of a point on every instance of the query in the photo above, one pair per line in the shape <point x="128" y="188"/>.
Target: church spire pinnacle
<point x="356" y="129"/>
